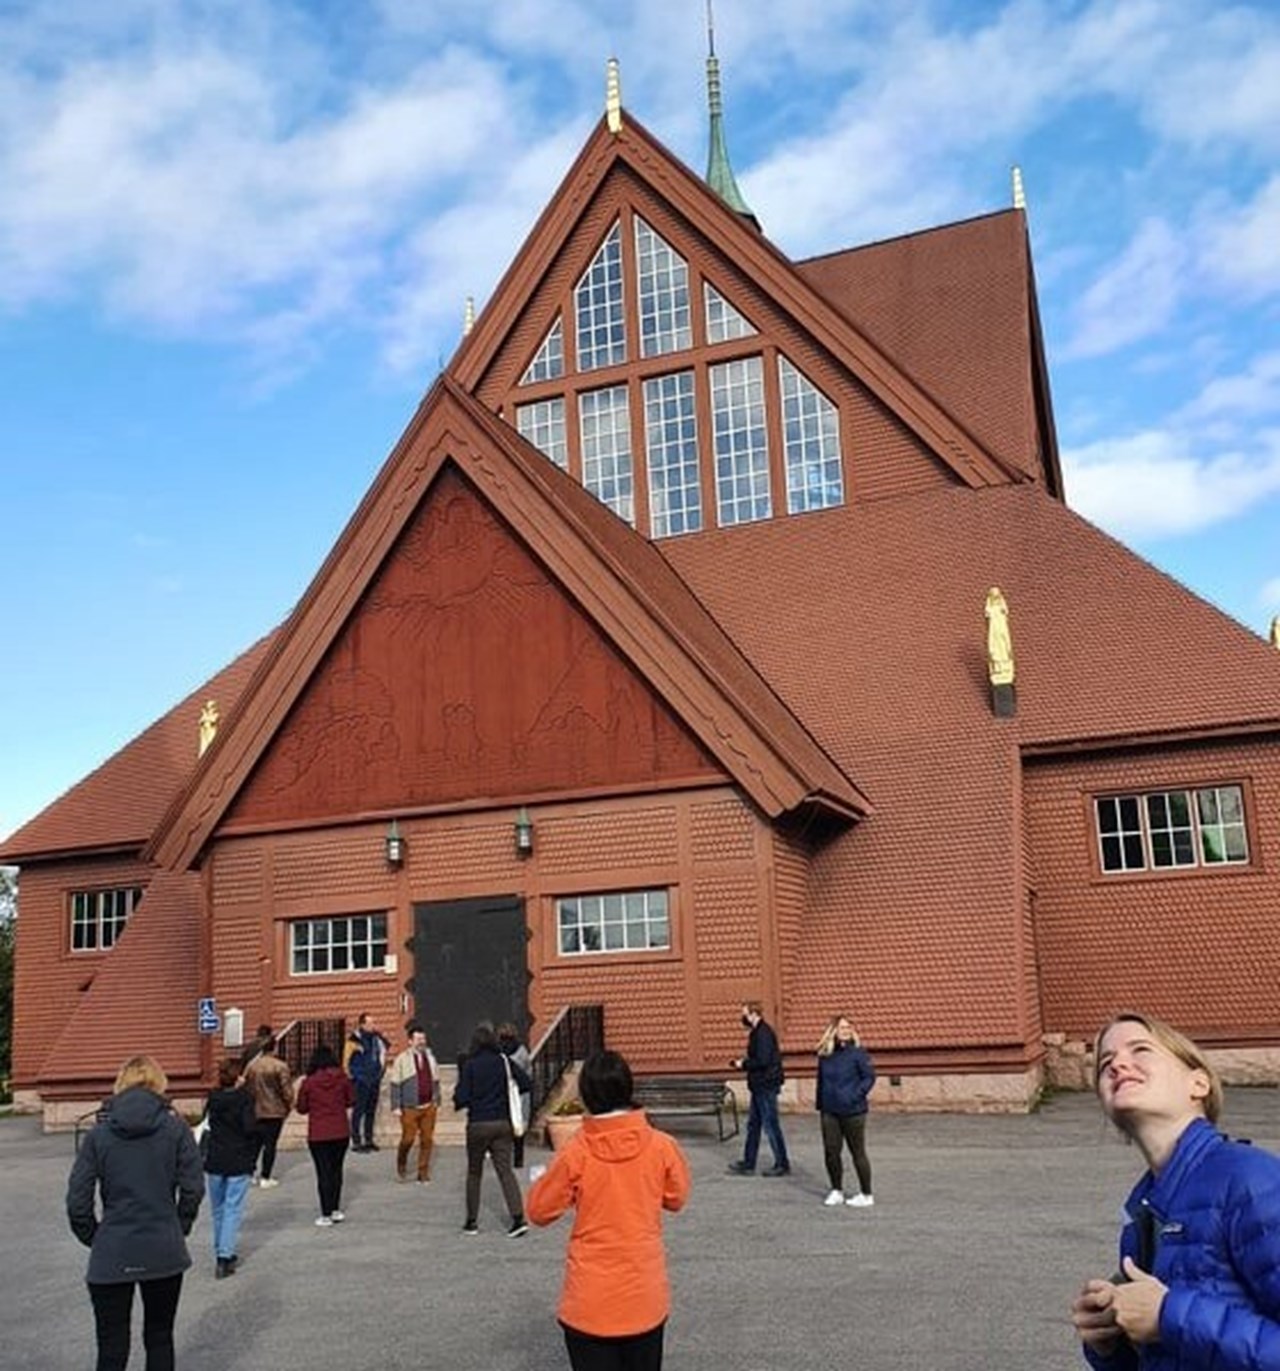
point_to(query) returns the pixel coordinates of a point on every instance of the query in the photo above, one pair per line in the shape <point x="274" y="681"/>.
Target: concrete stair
<point x="451" y="1126"/>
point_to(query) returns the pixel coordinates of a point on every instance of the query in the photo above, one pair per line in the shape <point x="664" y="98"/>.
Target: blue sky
<point x="235" y="242"/>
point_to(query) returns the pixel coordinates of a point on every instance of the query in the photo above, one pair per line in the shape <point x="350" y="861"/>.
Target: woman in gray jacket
<point x="142" y="1161"/>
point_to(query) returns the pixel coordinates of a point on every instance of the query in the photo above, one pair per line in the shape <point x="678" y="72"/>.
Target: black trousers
<point x="328" y="1157"/>
<point x="268" y="1138"/>
<point x="497" y="1141"/>
<point x="365" y="1112"/>
<point x="112" y="1310"/>
<point x="836" y="1131"/>
<point x="641" y="1352"/>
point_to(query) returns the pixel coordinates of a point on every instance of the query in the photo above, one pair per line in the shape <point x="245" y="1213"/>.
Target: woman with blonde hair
<point x="1199" y="1285"/>
<point x="141" y="1161"/>
<point x="845" y="1078"/>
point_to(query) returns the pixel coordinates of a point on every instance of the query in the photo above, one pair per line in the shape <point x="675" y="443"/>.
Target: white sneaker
<point x="338" y="1216"/>
<point x="834" y="1197"/>
<point x="324" y="1221"/>
<point x="269" y="1184"/>
<point x="860" y="1201"/>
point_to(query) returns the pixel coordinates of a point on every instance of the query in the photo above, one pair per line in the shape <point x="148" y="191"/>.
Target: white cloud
<point x="1269" y="595"/>
<point x="1135" y="297"/>
<point x="1156" y="483"/>
<point x="1249" y="393"/>
<point x="1242" y="248"/>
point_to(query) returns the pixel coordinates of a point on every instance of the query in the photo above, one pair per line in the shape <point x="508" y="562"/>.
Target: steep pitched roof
<point x="619" y="580"/>
<point x="954" y="307"/>
<point x="636" y="150"/>
<point x="158" y="954"/>
<point x="119" y="804"/>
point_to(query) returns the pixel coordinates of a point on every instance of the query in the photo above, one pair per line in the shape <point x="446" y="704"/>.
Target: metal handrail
<point x="575" y="1032"/>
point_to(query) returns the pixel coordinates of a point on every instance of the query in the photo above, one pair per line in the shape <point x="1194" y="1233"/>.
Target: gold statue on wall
<point x="208" y="725"/>
<point x="999" y="643"/>
<point x="1275" y="633"/>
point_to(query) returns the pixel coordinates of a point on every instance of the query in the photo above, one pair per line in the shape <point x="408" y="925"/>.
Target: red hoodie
<point x="620" y="1173"/>
<point x="325" y="1097"/>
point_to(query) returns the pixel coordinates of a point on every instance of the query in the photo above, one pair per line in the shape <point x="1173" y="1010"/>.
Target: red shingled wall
<point x="48" y="976"/>
<point x="1198" y="948"/>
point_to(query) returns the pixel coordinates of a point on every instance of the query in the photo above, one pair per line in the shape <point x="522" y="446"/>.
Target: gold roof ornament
<point x="1275" y="633"/>
<point x="999" y="642"/>
<point x="613" y="96"/>
<point x="1019" y="194"/>
<point x="209" y="717"/>
<point x="468" y="315"/>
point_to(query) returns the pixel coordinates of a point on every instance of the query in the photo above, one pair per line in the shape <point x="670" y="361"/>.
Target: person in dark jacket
<point x="325" y="1097"/>
<point x="365" y="1058"/>
<point x="845" y="1078"/>
<point x="763" y="1065"/>
<point x="230" y="1152"/>
<point x="482" y="1092"/>
<point x="142" y="1161"/>
<point x="510" y="1045"/>
<point x="1199" y="1284"/>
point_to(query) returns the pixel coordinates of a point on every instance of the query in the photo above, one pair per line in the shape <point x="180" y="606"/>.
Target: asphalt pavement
<point x="983" y="1228"/>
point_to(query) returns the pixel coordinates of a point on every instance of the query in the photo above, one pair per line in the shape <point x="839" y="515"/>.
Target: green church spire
<point x="719" y="173"/>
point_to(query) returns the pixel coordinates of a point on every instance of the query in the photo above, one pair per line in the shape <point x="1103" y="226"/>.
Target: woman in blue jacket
<point x="845" y="1078"/>
<point x="1199" y="1285"/>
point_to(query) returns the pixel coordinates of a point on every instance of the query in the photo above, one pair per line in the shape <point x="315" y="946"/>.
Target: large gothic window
<point x="811" y="438"/>
<point x="671" y="440"/>
<point x="548" y="361"/>
<point x="602" y="331"/>
<point x="542" y="423"/>
<point x="606" y="449"/>
<point x="663" y="280"/>
<point x="741" y="441"/>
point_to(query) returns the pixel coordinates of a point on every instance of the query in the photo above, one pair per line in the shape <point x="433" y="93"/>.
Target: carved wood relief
<point x="465" y="673"/>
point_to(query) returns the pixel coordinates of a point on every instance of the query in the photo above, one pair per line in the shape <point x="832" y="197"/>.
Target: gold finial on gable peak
<point x="469" y="315"/>
<point x="1019" y="194"/>
<point x="613" y="96"/>
<point x="1275" y="633"/>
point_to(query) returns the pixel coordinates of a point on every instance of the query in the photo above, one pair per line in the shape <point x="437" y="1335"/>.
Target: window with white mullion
<point x="1165" y="830"/>
<point x="548" y="361"/>
<point x="98" y="917"/>
<point x="724" y="323"/>
<point x="811" y="443"/>
<point x="740" y="440"/>
<point x="1220" y="811"/>
<point x="351" y="942"/>
<point x="1121" y="844"/>
<point x="662" y="289"/>
<point x="671" y="445"/>
<point x="542" y="423"/>
<point x="628" y="921"/>
<point x="605" y="429"/>
<point x="1169" y="828"/>
<point x="599" y="308"/>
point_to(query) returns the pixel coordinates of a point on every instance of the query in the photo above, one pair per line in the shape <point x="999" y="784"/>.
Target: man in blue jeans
<point x="366" y="1060"/>
<point x="763" y="1065"/>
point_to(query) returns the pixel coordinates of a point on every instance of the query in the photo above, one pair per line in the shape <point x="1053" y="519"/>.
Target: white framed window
<point x="98" y="917"/>
<point x="671" y="445"/>
<point x="351" y="942"/>
<point x="741" y="441"/>
<point x="724" y="323"/>
<point x="628" y="921"/>
<point x="598" y="304"/>
<point x="662" y="279"/>
<point x="542" y="423"/>
<point x="548" y="361"/>
<point x="811" y="442"/>
<point x="605" y="419"/>
<point x="1168" y="830"/>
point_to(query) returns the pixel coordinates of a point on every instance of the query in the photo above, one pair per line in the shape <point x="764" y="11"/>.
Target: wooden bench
<point x="688" y="1095"/>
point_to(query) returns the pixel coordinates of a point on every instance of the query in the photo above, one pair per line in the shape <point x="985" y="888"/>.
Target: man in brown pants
<point x="415" y="1098"/>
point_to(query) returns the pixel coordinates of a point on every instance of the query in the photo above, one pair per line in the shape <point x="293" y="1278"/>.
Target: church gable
<point x="464" y="674"/>
<point x="679" y="390"/>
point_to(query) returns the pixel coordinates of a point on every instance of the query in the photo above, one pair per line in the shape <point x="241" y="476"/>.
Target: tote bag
<point x="513" y="1099"/>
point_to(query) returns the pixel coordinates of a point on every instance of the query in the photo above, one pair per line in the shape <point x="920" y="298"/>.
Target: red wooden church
<point x="652" y="673"/>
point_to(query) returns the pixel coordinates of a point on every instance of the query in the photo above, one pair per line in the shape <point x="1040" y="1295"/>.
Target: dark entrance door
<point x="470" y="963"/>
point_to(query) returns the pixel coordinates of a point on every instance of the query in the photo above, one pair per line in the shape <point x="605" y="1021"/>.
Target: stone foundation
<point x="1004" y="1092"/>
<point x="1069" y="1063"/>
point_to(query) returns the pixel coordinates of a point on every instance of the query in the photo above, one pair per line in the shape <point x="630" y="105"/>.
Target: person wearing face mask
<point x="763" y="1065"/>
<point x="1199" y="1284"/>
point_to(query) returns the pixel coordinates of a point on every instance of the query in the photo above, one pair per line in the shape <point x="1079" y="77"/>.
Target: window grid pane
<point x="741" y="441"/>
<point x="724" y="323"/>
<point x="1222" y="830"/>
<point x="548" y="362"/>
<point x="811" y="428"/>
<point x="606" y="449"/>
<point x="663" y="280"/>
<point x="634" y="921"/>
<point x="1119" y="834"/>
<point x="321" y="946"/>
<point x="1169" y="822"/>
<point x="542" y="423"/>
<point x="602" y="338"/>
<point x="98" y="917"/>
<point x="671" y="439"/>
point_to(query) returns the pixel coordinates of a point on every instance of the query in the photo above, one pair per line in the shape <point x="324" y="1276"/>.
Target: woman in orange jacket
<point x="620" y="1174"/>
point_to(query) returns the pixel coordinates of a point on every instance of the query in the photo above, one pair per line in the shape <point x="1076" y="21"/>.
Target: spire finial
<point x="1019" y="195"/>
<point x="719" y="173"/>
<point x="468" y="315"/>
<point x="613" y="96"/>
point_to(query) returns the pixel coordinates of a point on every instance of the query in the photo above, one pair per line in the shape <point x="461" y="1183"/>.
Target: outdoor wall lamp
<point x="395" y="845"/>
<point x="524" y="833"/>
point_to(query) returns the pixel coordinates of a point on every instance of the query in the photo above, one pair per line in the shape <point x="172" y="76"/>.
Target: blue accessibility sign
<point x="207" y="1019"/>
